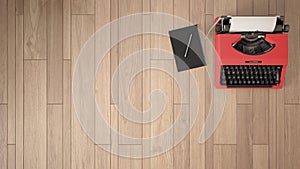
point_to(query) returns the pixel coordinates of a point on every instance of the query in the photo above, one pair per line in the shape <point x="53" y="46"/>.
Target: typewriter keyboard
<point x="250" y="75"/>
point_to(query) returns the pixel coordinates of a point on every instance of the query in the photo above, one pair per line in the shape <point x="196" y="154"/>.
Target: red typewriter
<point x="251" y="51"/>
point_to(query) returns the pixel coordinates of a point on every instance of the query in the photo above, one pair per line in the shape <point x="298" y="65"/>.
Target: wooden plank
<point x="146" y="81"/>
<point x="245" y="7"/>
<point x="244" y="96"/>
<point x="66" y="114"/>
<point x="181" y="93"/>
<point x="209" y="7"/>
<point x="222" y="7"/>
<point x="197" y="151"/>
<point x="226" y="131"/>
<point x="3" y="136"/>
<point x="102" y="158"/>
<point x="292" y="78"/>
<point x="126" y="48"/>
<point x="54" y="137"/>
<point x="11" y="53"/>
<point x="280" y="129"/>
<point x="114" y="145"/>
<point x="82" y="29"/>
<point x="158" y="41"/>
<point x="272" y="128"/>
<point x="209" y="144"/>
<point x="261" y="7"/>
<point x="114" y="51"/>
<point x="280" y="7"/>
<point x="244" y="137"/>
<point x="224" y="156"/>
<point x="272" y="7"/>
<point x="260" y="116"/>
<point x="102" y="85"/>
<point x="35" y="124"/>
<point x="67" y="29"/>
<point x="182" y="150"/>
<point x="163" y="82"/>
<point x="82" y="148"/>
<point x="11" y="156"/>
<point x="19" y="7"/>
<point x="35" y="31"/>
<point x="82" y="7"/>
<point x="292" y="126"/>
<point x="260" y="157"/>
<point x="19" y="92"/>
<point x="130" y="163"/>
<point x="54" y="51"/>
<point x="3" y="52"/>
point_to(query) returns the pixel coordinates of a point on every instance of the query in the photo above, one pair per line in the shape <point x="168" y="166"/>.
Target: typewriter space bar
<point x="249" y="86"/>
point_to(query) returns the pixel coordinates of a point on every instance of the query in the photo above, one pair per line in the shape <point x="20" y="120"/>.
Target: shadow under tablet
<point x="187" y="48"/>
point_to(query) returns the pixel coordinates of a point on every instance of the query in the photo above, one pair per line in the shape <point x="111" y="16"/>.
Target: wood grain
<point x="66" y="115"/>
<point x="225" y="157"/>
<point x="3" y="52"/>
<point x="260" y="116"/>
<point x="35" y="120"/>
<point x="102" y="84"/>
<point x="102" y="158"/>
<point x="272" y="128"/>
<point x="130" y="162"/>
<point x="244" y="137"/>
<point x="181" y="93"/>
<point x="11" y="156"/>
<point x="54" y="137"/>
<point x="35" y="31"/>
<point x="182" y="150"/>
<point x="114" y="51"/>
<point x="197" y="151"/>
<point x="280" y="129"/>
<point x="19" y="7"/>
<point x="82" y="7"/>
<point x="11" y="53"/>
<point x="245" y="7"/>
<point x="160" y="80"/>
<point x="54" y="51"/>
<point x="260" y="157"/>
<point x="3" y="136"/>
<point x="82" y="149"/>
<point x="159" y="41"/>
<point x="292" y="149"/>
<point x="126" y="48"/>
<point x="39" y="48"/>
<point x="261" y="7"/>
<point x="226" y="131"/>
<point x="292" y="77"/>
<point x="19" y="93"/>
<point x="66" y="29"/>
<point x="209" y="144"/>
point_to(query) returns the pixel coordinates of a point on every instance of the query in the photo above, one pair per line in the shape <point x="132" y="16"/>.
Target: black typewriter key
<point x="235" y="82"/>
<point x="244" y="82"/>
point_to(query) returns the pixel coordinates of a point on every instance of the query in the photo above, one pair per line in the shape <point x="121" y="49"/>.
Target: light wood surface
<point x="39" y="46"/>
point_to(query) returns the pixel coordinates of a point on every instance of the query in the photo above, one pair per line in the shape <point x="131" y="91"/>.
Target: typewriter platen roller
<point x="258" y="42"/>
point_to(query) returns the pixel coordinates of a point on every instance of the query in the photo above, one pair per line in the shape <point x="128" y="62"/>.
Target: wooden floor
<point x="40" y="41"/>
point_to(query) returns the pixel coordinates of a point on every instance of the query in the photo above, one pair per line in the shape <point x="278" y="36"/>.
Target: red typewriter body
<point x="263" y="66"/>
